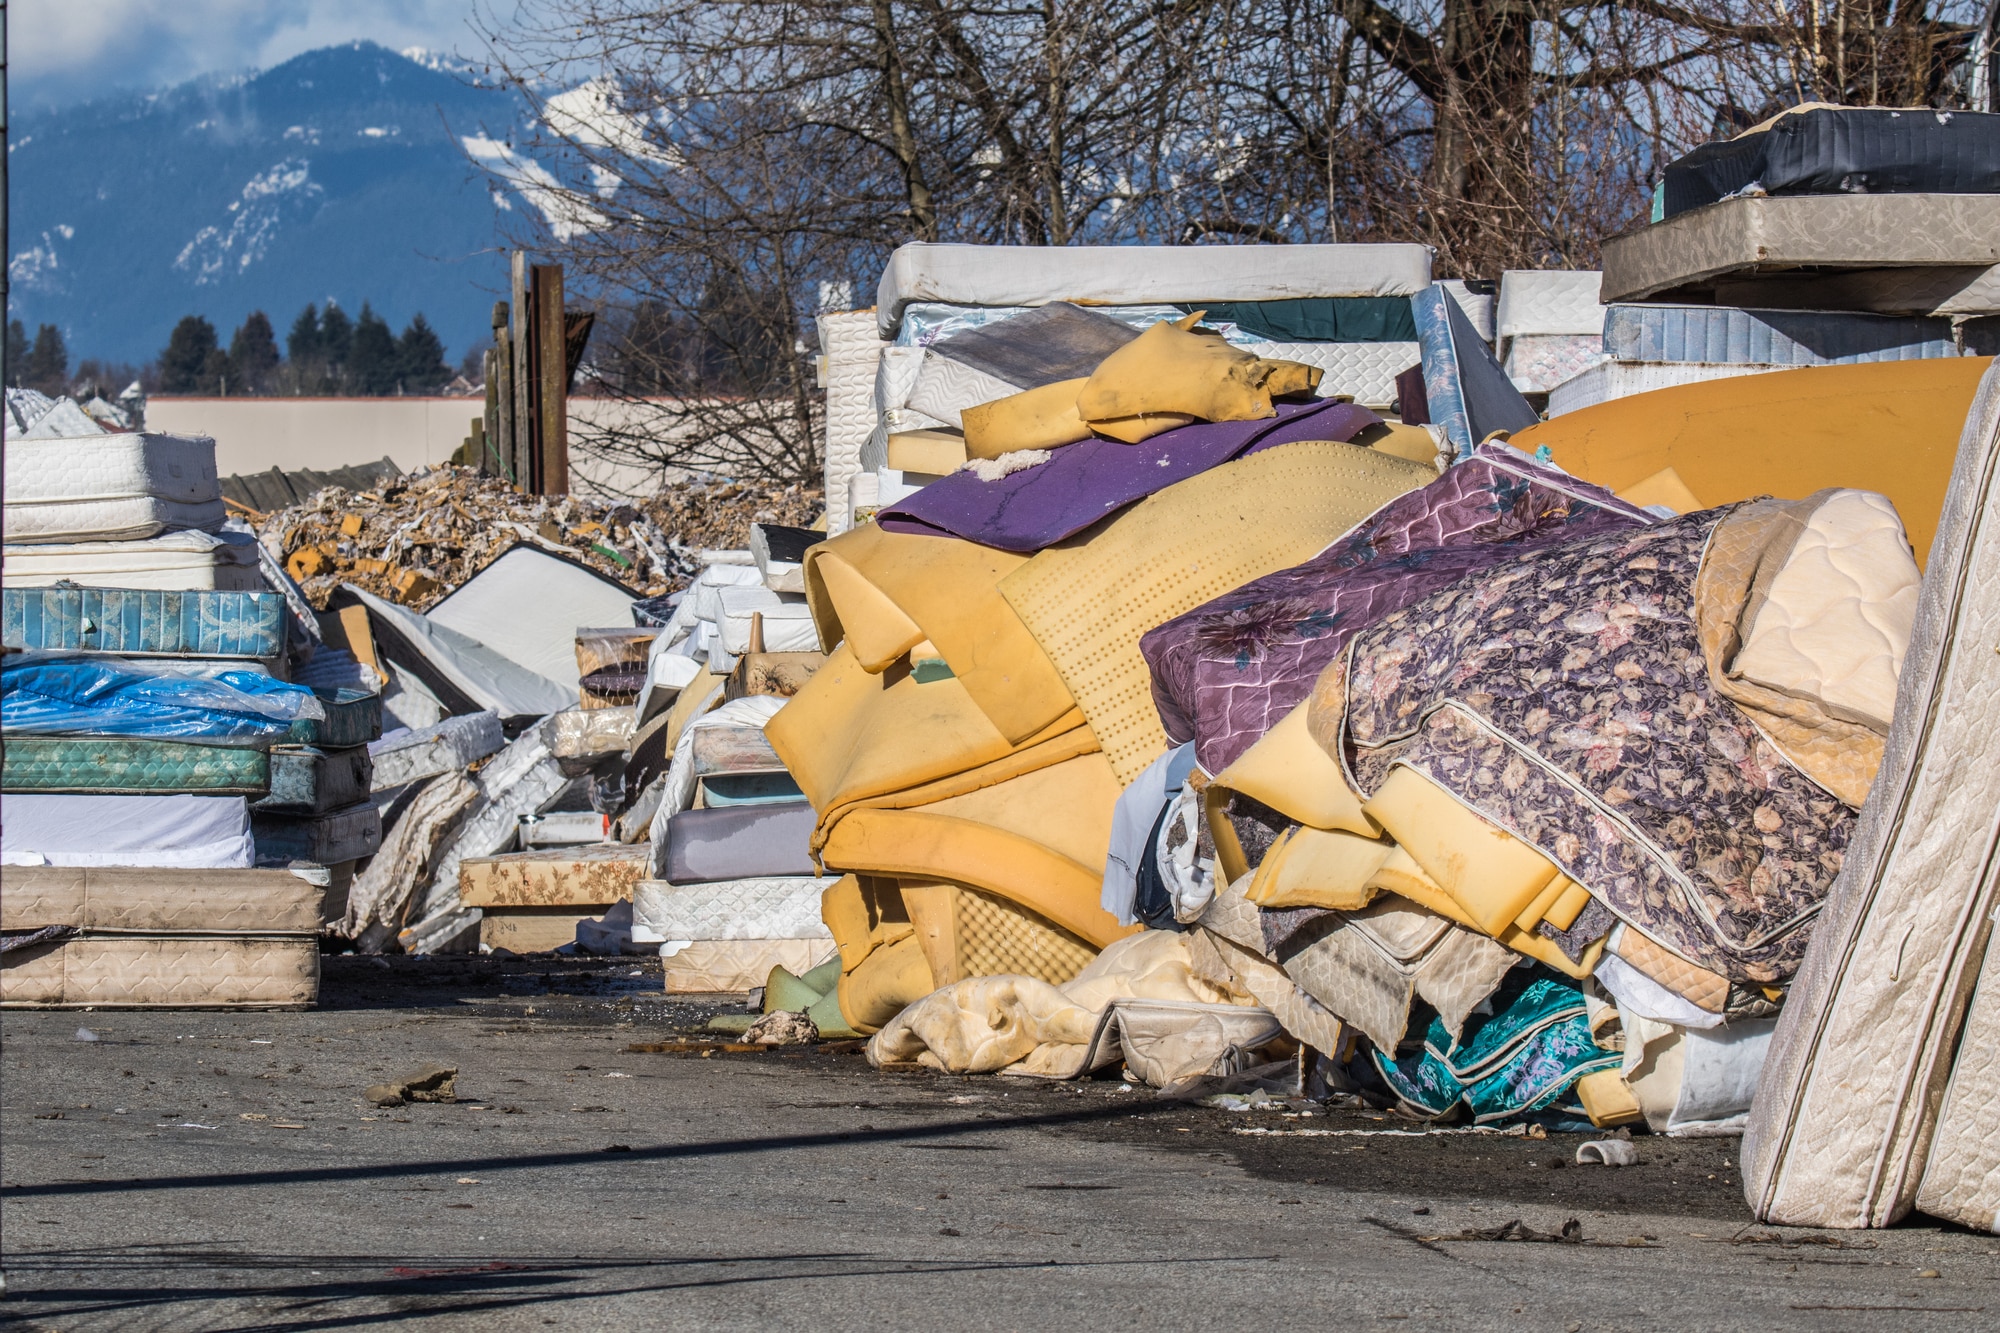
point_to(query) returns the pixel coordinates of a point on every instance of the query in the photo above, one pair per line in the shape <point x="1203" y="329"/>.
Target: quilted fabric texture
<point x="1225" y="673"/>
<point x="1089" y="604"/>
<point x="1365" y="372"/>
<point x="155" y="900"/>
<point x="773" y="908"/>
<point x="164" y="972"/>
<point x="1537" y="363"/>
<point x="122" y="487"/>
<point x="944" y="388"/>
<point x="1961" y="1178"/>
<point x="113" y="620"/>
<point x="112" y="765"/>
<point x="848" y="341"/>
<point x="1846" y="1105"/>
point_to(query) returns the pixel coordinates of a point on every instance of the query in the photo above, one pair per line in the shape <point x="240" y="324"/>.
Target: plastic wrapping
<point x="49" y="694"/>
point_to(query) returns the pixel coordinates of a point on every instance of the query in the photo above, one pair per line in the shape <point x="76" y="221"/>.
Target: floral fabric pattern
<point x="1226" y="672"/>
<point x="1564" y="696"/>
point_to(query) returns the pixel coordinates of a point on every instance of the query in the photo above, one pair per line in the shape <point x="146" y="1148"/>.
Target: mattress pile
<point x="959" y="327"/>
<point x="1825" y="236"/>
<point x="201" y="764"/>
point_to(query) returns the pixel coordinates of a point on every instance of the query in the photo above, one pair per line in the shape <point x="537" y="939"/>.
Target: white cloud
<point x="63" y="52"/>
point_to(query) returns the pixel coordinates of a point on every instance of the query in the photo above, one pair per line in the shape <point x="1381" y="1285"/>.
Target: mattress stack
<point x="1342" y="309"/>
<point x="147" y="739"/>
<point x="1549" y="326"/>
<point x="125" y="510"/>
<point x="1826" y="236"/>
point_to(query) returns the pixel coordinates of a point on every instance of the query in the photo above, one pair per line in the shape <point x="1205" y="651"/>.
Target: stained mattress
<point x="553" y="877"/>
<point x="353" y="717"/>
<point x="106" y="765"/>
<point x="308" y="780"/>
<point x="1892" y="988"/>
<point x="160" y="938"/>
<point x="771" y="907"/>
<point x="444" y="748"/>
<point x="179" y="561"/>
<point x="1747" y="236"/>
<point x="110" y="487"/>
<point x="145" y="623"/>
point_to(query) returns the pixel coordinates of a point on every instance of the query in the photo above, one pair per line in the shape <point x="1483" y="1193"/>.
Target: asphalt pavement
<point x="222" y="1171"/>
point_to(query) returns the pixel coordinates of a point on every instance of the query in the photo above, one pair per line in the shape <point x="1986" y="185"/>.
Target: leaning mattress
<point x="159" y="938"/>
<point x="144" y="622"/>
<point x="114" y="765"/>
<point x="183" y="561"/>
<point x="770" y="907"/>
<point x="1751" y="235"/>
<point x="1021" y="275"/>
<point x="1848" y="1104"/>
<point x="116" y="487"/>
<point x="1723" y="335"/>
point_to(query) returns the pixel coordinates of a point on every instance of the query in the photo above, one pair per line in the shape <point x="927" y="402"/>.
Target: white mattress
<point x="788" y="622"/>
<point x="178" y="561"/>
<point x="520" y="780"/>
<point x="1608" y="380"/>
<point x="1478" y="308"/>
<point x="444" y="748"/>
<point x="182" y="830"/>
<point x="1548" y="301"/>
<point x="131" y="519"/>
<point x="178" y="468"/>
<point x="699" y="966"/>
<point x="528" y="605"/>
<point x="851" y="349"/>
<point x="1022" y="275"/>
<point x="1849" y="1098"/>
<point x="772" y="908"/>
<point x="1365" y="372"/>
<point x="1538" y="362"/>
<point x="706" y="596"/>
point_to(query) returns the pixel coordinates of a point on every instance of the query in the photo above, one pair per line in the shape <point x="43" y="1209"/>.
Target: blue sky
<point x="66" y="51"/>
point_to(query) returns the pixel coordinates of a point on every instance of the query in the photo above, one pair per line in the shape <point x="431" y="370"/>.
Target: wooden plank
<point x="552" y="380"/>
<point x="521" y="345"/>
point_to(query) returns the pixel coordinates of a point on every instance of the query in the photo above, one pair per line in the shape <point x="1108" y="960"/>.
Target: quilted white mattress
<point x="1538" y="362"/>
<point x="180" y="561"/>
<point x="1025" y="275"/>
<point x="1848" y="1105"/>
<point x="164" y="972"/>
<point x="1548" y="301"/>
<point x="1364" y="371"/>
<point x="179" y="468"/>
<point x="788" y="622"/>
<point x="1835" y="622"/>
<point x="701" y="966"/>
<point x="851" y="350"/>
<point x="778" y="907"/>
<point x="1610" y="380"/>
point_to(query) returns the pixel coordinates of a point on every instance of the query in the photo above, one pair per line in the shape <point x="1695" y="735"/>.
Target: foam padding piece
<point x="1089" y="600"/>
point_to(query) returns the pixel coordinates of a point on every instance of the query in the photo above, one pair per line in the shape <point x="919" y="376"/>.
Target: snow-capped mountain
<point x="342" y="173"/>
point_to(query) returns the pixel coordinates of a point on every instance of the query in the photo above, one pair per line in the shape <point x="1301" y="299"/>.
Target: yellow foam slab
<point x="947" y="591"/>
<point x="1493" y="875"/>
<point x="886" y="980"/>
<point x="1043" y="418"/>
<point x="1287" y="770"/>
<point x="1786" y="433"/>
<point x="1664" y="487"/>
<point x="1309" y="867"/>
<point x="1400" y="874"/>
<point x="938" y="452"/>
<point x="1607" y="1099"/>
<point x="1089" y="600"/>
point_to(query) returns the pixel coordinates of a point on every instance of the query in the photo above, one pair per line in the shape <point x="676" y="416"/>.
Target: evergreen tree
<point x="420" y="365"/>
<point x="185" y="360"/>
<point x="253" y="355"/>
<point x="371" y="359"/>
<point x="336" y="340"/>
<point x="47" y="368"/>
<point x="17" y="352"/>
<point x="215" y="374"/>
<point x="302" y="343"/>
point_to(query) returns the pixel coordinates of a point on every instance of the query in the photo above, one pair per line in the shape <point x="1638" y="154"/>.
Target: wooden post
<point x="551" y="380"/>
<point x="526" y="457"/>
<point x="500" y="398"/>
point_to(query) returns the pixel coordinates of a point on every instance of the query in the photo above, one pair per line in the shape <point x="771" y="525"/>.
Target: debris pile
<point x="416" y="538"/>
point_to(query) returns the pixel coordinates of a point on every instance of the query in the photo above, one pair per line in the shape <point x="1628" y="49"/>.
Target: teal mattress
<point x="144" y="621"/>
<point x="310" y="781"/>
<point x="353" y="717"/>
<point x="117" y="765"/>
